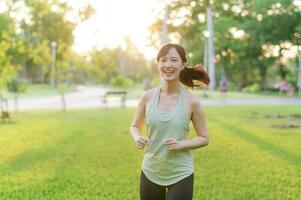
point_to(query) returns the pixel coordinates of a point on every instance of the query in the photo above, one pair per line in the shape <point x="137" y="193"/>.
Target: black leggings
<point x="181" y="190"/>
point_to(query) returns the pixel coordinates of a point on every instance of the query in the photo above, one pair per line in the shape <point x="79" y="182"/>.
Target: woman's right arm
<point x="138" y="123"/>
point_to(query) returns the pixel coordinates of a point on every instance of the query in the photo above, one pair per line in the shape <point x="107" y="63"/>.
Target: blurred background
<point x="52" y="46"/>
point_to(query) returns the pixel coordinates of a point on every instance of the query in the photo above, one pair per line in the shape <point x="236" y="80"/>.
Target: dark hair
<point x="196" y="76"/>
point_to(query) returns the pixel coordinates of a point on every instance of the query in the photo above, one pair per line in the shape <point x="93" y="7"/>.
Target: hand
<point x="141" y="142"/>
<point x="174" y="144"/>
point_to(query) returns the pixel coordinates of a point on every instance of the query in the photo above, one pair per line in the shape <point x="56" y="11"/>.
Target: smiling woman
<point x="167" y="167"/>
<point x="112" y="22"/>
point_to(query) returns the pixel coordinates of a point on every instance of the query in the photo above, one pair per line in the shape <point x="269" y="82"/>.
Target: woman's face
<point x="170" y="65"/>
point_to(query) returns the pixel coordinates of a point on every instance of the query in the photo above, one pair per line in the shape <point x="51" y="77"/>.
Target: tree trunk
<point x="63" y="101"/>
<point x="16" y="102"/>
<point x="282" y="71"/>
<point x="263" y="73"/>
<point x="1" y="103"/>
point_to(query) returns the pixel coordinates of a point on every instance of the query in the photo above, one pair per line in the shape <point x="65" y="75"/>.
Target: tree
<point x="246" y="35"/>
<point x="39" y="27"/>
<point x="135" y="64"/>
<point x="104" y="64"/>
<point x="6" y="67"/>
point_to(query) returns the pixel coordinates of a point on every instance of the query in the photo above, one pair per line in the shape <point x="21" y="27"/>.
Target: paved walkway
<point x="90" y="97"/>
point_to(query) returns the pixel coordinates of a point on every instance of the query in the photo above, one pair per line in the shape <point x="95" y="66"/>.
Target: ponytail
<point x="196" y="76"/>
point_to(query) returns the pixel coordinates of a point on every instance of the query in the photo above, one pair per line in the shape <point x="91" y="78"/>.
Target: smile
<point x="169" y="72"/>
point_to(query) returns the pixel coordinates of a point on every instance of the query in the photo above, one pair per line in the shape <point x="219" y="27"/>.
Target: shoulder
<point x="192" y="100"/>
<point x="148" y="94"/>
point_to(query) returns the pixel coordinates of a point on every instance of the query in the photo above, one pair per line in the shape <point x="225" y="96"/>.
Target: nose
<point x="167" y="64"/>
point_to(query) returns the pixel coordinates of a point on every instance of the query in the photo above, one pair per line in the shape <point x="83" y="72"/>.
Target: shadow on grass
<point x="266" y="146"/>
<point x="28" y="158"/>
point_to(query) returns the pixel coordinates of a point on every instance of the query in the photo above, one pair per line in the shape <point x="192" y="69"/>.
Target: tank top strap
<point x="154" y="99"/>
<point x="182" y="97"/>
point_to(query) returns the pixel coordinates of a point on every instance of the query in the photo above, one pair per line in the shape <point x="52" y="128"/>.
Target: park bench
<point x="120" y="93"/>
<point x="4" y="110"/>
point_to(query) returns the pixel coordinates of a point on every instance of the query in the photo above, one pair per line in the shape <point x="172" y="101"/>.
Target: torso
<point x="168" y="102"/>
<point x="167" y="116"/>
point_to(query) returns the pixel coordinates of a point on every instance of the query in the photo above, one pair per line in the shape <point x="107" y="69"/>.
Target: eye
<point x="174" y="60"/>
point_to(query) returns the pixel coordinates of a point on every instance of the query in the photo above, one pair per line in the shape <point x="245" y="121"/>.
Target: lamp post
<point x="205" y="60"/>
<point x="211" y="68"/>
<point x="299" y="71"/>
<point x="52" y="69"/>
<point x="205" y="55"/>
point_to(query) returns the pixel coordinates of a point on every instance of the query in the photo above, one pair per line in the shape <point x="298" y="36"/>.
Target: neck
<point x="170" y="87"/>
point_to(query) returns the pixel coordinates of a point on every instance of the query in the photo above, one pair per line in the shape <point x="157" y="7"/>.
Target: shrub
<point x="252" y="88"/>
<point x="17" y="84"/>
<point x="121" y="82"/>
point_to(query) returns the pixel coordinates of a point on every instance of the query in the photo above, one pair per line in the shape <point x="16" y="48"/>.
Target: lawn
<point x="135" y="92"/>
<point x="89" y="154"/>
<point x="39" y="90"/>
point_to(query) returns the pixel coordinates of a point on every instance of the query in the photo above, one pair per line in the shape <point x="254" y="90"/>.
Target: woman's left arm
<point x="199" y="124"/>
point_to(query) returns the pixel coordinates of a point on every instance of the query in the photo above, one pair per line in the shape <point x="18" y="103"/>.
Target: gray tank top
<point x="160" y="165"/>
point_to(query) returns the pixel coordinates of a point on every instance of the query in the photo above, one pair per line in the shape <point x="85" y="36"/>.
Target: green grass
<point x="39" y="90"/>
<point x="135" y="92"/>
<point x="89" y="154"/>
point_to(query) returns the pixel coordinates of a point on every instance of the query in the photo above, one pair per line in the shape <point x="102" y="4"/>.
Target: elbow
<point x="205" y="141"/>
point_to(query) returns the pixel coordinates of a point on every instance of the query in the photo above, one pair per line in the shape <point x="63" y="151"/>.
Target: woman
<point x="167" y="168"/>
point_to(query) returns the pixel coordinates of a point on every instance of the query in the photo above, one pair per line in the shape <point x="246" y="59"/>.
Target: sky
<point x="113" y="20"/>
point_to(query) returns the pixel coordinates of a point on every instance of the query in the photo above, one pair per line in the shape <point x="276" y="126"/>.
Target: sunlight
<point x="112" y="22"/>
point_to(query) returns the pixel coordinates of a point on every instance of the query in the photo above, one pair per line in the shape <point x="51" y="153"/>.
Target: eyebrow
<point x="170" y="57"/>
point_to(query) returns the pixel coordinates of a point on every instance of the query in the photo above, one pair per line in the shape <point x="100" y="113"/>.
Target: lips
<point x="168" y="73"/>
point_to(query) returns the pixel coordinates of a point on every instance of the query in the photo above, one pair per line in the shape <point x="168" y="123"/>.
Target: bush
<point x="252" y="88"/>
<point x="121" y="82"/>
<point x="17" y="84"/>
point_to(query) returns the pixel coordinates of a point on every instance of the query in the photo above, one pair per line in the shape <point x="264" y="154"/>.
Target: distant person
<point x="285" y="88"/>
<point x="167" y="168"/>
<point x="223" y="87"/>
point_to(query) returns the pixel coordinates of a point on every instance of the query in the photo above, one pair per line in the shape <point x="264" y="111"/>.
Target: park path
<point x="90" y="97"/>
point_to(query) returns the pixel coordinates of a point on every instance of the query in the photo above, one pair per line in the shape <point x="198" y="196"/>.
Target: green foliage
<point x="107" y="63"/>
<point x="6" y="68"/>
<point x="121" y="81"/>
<point x="232" y="86"/>
<point x="135" y="65"/>
<point x="17" y="85"/>
<point x="104" y="64"/>
<point x="84" y="154"/>
<point x="252" y="88"/>
<point x="243" y="56"/>
<point x="41" y="25"/>
<point x="10" y="48"/>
